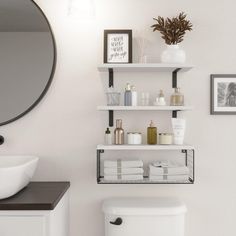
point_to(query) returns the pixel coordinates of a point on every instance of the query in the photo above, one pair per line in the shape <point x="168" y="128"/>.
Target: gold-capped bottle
<point x="152" y="134"/>
<point x="177" y="98"/>
<point x="119" y="133"/>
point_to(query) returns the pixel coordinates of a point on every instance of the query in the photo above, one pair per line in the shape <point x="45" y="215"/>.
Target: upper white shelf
<point x="144" y="108"/>
<point x="145" y="67"/>
<point x="145" y="147"/>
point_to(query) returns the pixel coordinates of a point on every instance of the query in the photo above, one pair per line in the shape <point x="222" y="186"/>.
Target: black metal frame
<point x="111" y="84"/>
<point x="212" y="110"/>
<point x="51" y="74"/>
<point x="185" y="151"/>
<point x="119" y="31"/>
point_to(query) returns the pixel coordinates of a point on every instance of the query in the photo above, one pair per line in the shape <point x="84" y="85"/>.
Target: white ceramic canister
<point x="134" y="138"/>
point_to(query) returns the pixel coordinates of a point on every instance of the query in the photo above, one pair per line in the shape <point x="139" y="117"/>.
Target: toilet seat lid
<point x="144" y="206"/>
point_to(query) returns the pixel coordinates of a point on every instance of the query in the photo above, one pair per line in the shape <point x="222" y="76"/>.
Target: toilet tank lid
<point x="143" y="206"/>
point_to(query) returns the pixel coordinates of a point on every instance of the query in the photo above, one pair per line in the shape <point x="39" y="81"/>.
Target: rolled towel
<point x="123" y="164"/>
<point x="123" y="177"/>
<point x="126" y="171"/>
<point x="169" y="177"/>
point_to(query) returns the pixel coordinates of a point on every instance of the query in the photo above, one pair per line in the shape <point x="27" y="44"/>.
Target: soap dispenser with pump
<point x="152" y="134"/>
<point x="108" y="137"/>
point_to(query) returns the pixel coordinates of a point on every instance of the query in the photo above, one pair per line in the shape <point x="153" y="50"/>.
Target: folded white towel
<point x="169" y="177"/>
<point x="122" y="164"/>
<point x="123" y="177"/>
<point x="126" y="171"/>
<point x="178" y="170"/>
<point x="168" y="163"/>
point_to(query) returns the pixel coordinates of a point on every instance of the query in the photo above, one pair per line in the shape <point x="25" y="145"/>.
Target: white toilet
<point x="144" y="217"/>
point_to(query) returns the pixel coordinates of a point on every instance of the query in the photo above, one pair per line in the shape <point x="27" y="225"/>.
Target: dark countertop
<point x="36" y="196"/>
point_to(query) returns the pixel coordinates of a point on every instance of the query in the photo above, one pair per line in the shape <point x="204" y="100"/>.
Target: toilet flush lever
<point x="118" y="221"/>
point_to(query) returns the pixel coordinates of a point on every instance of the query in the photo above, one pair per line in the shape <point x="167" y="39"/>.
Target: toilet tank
<point x="144" y="217"/>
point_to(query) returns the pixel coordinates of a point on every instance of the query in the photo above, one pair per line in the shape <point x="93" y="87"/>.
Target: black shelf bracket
<point x="111" y="118"/>
<point x="111" y="84"/>
<point x="111" y="77"/>
<point x="174" y="78"/>
<point x="174" y="114"/>
<point x="175" y="85"/>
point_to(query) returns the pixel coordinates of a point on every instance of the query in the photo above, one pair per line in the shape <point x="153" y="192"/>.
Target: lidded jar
<point x="177" y="98"/>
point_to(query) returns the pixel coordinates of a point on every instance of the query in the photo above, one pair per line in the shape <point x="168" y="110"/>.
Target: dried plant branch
<point x="172" y="30"/>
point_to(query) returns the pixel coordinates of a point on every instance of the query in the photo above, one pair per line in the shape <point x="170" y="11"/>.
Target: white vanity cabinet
<point x="47" y="222"/>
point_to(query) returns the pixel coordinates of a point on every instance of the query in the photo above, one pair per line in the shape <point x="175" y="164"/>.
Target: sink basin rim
<point x="20" y="161"/>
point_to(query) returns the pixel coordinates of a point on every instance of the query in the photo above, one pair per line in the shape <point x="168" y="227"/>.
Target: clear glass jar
<point x="113" y="99"/>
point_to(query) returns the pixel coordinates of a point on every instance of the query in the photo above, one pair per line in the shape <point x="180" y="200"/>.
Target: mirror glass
<point x="27" y="58"/>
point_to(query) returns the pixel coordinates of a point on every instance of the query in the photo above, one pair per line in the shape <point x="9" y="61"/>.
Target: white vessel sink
<point x="15" y="173"/>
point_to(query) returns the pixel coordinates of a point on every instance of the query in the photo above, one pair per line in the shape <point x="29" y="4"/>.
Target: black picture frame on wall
<point x="118" y="46"/>
<point x="223" y="94"/>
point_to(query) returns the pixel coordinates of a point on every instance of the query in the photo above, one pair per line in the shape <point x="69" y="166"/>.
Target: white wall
<point x="65" y="128"/>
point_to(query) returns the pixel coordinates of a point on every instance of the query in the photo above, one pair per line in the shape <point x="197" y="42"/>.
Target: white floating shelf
<point x="144" y="108"/>
<point x="145" y="147"/>
<point x="145" y="67"/>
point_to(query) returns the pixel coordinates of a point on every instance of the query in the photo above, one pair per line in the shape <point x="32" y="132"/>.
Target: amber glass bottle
<point x="152" y="134"/>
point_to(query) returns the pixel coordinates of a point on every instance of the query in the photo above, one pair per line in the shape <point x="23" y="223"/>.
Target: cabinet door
<point x="22" y="226"/>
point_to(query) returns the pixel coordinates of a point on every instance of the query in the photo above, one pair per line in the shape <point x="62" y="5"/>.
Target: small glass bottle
<point x="108" y="137"/>
<point x="134" y="96"/>
<point x="152" y="134"/>
<point x="119" y="133"/>
<point x="128" y="95"/>
<point x="144" y="99"/>
<point x="177" y="98"/>
<point x="161" y="99"/>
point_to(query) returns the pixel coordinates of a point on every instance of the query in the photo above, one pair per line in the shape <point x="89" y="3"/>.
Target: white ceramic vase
<point x="173" y="54"/>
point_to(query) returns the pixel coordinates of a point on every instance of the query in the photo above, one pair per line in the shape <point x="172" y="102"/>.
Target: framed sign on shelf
<point x="118" y="46"/>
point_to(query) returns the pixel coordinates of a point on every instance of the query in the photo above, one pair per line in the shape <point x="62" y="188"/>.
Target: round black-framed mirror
<point x="27" y="58"/>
